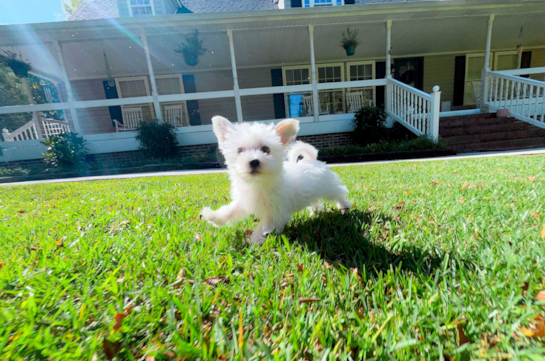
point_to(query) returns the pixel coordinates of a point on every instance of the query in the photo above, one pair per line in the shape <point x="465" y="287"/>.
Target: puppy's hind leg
<point x="316" y="207"/>
<point x="230" y="213"/>
<point x="343" y="204"/>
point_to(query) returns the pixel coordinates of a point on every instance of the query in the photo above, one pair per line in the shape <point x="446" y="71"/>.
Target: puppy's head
<point x="254" y="151"/>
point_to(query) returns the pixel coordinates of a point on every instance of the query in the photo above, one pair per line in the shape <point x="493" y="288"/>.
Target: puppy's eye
<point x="240" y="150"/>
<point x="266" y="150"/>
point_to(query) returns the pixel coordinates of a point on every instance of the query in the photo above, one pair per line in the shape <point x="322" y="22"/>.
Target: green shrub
<point x="420" y="143"/>
<point x="66" y="151"/>
<point x="369" y="126"/>
<point x="157" y="140"/>
<point x="13" y="172"/>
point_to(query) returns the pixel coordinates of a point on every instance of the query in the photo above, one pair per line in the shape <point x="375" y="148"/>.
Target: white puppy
<point x="263" y="183"/>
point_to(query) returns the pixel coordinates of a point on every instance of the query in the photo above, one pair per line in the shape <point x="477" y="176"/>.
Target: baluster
<point x="405" y="106"/>
<point x="542" y="104"/>
<point x="512" y="96"/>
<point x="517" y="98"/>
<point x="537" y="96"/>
<point x="496" y="92"/>
<point x="501" y="91"/>
<point x="394" y="99"/>
<point x="527" y="103"/>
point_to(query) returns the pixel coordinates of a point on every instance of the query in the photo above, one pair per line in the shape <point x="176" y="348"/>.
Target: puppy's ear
<point x="287" y="129"/>
<point x="221" y="127"/>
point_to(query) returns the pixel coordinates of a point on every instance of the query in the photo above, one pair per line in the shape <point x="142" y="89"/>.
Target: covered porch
<point x="108" y="75"/>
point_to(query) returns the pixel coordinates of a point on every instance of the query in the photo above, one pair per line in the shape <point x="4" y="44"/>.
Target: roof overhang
<point x="277" y="37"/>
<point x="249" y="20"/>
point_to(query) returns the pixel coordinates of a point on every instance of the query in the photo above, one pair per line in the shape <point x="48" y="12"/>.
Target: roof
<point x="214" y="6"/>
<point x="95" y="9"/>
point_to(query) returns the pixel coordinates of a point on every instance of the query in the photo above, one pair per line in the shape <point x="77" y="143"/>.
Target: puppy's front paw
<point x="209" y="215"/>
<point x="255" y="237"/>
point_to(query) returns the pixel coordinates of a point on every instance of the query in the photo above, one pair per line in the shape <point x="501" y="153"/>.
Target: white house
<point x="114" y="65"/>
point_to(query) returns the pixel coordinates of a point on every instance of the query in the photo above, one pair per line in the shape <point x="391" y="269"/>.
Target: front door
<point x="410" y="71"/>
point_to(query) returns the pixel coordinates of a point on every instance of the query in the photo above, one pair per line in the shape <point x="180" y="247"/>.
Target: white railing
<point x="415" y="109"/>
<point x="26" y="132"/>
<point x="54" y="127"/>
<point x="524" y="98"/>
<point x="29" y="132"/>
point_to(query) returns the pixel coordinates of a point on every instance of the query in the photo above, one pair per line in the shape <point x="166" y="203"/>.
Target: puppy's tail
<point x="302" y="152"/>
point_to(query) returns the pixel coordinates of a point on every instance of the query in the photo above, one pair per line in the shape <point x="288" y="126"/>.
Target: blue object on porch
<point x="349" y="2"/>
<point x="278" y="99"/>
<point x="192" y="105"/>
<point x="296" y="3"/>
<point x="115" y="112"/>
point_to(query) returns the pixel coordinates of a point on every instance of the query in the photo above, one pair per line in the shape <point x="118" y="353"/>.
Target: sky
<point x="30" y="11"/>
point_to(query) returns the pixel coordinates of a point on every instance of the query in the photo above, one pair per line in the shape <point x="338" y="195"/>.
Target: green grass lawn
<point x="433" y="254"/>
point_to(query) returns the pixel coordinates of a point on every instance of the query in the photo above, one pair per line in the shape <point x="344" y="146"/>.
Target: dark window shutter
<point x="380" y="73"/>
<point x="278" y="99"/>
<point x="349" y="2"/>
<point x="111" y="93"/>
<point x="296" y="3"/>
<point x="192" y="105"/>
<point x="526" y="61"/>
<point x="459" y="79"/>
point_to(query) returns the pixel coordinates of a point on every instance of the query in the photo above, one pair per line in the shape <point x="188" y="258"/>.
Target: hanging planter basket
<point x="191" y="49"/>
<point x="191" y="59"/>
<point x="349" y="41"/>
<point x="350" y="50"/>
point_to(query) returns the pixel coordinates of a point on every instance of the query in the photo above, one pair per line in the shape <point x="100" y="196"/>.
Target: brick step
<point x="475" y="122"/>
<point x="494" y="137"/>
<point x="512" y="144"/>
<point x="461" y="131"/>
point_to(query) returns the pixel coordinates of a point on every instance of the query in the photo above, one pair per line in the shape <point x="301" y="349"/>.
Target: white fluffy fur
<point x="300" y="151"/>
<point x="277" y="188"/>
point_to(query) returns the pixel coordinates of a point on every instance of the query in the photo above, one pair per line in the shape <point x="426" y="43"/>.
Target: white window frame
<point x="497" y="54"/>
<point x="468" y="56"/>
<point x="343" y="78"/>
<point x="312" y="3"/>
<point x="284" y="68"/>
<point x="180" y="79"/>
<point x="131" y="6"/>
<point x="373" y="74"/>
<point x="135" y="78"/>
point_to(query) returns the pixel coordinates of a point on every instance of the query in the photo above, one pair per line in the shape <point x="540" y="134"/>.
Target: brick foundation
<point x="319" y="141"/>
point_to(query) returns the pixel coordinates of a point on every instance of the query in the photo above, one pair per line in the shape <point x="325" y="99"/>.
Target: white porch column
<point x="238" y="103"/>
<point x="154" y="93"/>
<point x="315" y="98"/>
<point x="486" y="68"/>
<point x="69" y="93"/>
<point x="434" y="114"/>
<point x="388" y="88"/>
<point x="35" y="115"/>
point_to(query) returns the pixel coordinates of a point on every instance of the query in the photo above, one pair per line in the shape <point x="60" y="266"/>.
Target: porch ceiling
<point x="276" y="37"/>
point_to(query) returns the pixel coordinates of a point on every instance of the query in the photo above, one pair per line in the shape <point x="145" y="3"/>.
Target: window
<point x="506" y="60"/>
<point x="169" y="84"/>
<point x="132" y="87"/>
<point x="474" y="66"/>
<point x="363" y="71"/>
<point x="297" y="103"/>
<point x="319" y="3"/>
<point x="141" y="7"/>
<point x="331" y="101"/>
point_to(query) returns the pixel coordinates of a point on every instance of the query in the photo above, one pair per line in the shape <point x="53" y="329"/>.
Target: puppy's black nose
<point x="254" y="163"/>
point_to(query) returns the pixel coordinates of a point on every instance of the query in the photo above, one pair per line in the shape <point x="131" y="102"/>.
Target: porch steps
<point x="486" y="132"/>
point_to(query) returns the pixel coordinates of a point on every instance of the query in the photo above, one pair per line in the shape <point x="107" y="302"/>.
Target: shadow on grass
<point x="362" y="239"/>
